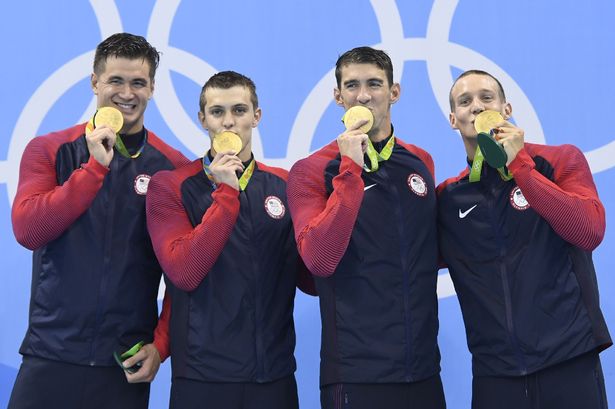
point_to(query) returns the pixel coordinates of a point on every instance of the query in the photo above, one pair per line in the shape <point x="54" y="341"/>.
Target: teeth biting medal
<point x="358" y="113"/>
<point x="488" y="148"/>
<point x="227" y="141"/>
<point x="486" y="121"/>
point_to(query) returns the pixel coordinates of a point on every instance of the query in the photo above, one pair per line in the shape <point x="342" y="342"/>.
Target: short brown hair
<point x="226" y="80"/>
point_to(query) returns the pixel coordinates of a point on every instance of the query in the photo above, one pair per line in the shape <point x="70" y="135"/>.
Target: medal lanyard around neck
<point x="121" y="148"/>
<point x="477" y="166"/>
<point x="243" y="180"/>
<point x="375" y="156"/>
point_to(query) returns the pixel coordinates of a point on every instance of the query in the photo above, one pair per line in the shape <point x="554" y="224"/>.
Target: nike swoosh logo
<point x="369" y="187"/>
<point x="467" y="212"/>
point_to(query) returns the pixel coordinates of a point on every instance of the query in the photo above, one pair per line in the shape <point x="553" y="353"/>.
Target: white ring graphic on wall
<point x="435" y="49"/>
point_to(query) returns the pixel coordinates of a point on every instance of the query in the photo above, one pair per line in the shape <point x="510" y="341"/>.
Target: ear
<point x="507" y="111"/>
<point x="452" y="119"/>
<point x="202" y="120"/>
<point x="337" y="95"/>
<point x="152" y="88"/>
<point x="94" y="83"/>
<point x="395" y="92"/>
<point x="257" y="117"/>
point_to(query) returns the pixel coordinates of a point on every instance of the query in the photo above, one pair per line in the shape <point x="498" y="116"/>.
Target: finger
<point x="133" y="360"/>
<point x="228" y="162"/>
<point x="104" y="136"/>
<point x="357" y="124"/>
<point x="224" y="157"/>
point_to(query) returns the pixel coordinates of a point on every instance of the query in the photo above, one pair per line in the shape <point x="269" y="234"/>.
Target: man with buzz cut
<point x="224" y="236"/>
<point x="364" y="211"/>
<point x="80" y="206"/>
<point x="518" y="242"/>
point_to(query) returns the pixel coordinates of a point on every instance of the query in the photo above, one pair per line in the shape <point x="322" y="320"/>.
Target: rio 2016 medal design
<point x="110" y="117"/>
<point x="227" y="141"/>
<point x="358" y="113"/>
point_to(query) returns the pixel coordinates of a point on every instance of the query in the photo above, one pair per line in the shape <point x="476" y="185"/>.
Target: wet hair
<point x="364" y="55"/>
<point x="226" y="80"/>
<point x="475" y="72"/>
<point x="126" y="45"/>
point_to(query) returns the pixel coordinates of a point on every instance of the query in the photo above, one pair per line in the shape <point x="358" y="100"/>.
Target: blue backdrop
<point x="555" y="60"/>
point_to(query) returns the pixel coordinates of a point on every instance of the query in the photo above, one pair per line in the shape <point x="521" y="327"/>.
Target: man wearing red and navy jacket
<point x="368" y="234"/>
<point x="224" y="236"/>
<point x="518" y="241"/>
<point x="80" y="206"/>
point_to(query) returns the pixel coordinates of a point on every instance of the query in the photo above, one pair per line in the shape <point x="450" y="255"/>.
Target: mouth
<point x="125" y="107"/>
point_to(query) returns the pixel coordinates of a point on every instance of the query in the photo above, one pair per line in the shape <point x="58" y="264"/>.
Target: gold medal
<point x="358" y="113"/>
<point x="486" y="121"/>
<point x="227" y="141"/>
<point x="492" y="151"/>
<point x="110" y="117"/>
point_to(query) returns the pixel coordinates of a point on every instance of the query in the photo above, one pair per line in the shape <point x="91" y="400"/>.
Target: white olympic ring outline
<point x="435" y="49"/>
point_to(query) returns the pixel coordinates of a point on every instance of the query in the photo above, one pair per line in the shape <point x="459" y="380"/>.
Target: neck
<point x="380" y="134"/>
<point x="245" y="153"/>
<point x="470" y="144"/>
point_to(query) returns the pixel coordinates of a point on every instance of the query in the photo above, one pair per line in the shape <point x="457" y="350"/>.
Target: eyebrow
<point x="241" y="104"/>
<point x="352" y="81"/>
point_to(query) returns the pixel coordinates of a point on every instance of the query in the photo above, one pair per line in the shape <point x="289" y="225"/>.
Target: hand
<point x="100" y="144"/>
<point x="224" y="169"/>
<point x="353" y="142"/>
<point x="511" y="138"/>
<point x="150" y="362"/>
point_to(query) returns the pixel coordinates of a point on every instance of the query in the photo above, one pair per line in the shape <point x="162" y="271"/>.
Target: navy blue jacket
<point x="231" y="260"/>
<point x="519" y="254"/>
<point x="95" y="277"/>
<point x="370" y="238"/>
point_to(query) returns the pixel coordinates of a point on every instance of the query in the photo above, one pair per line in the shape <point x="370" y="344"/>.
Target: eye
<point x="463" y="102"/>
<point x="216" y="112"/>
<point x="139" y="84"/>
<point x="241" y="110"/>
<point x="375" y="84"/>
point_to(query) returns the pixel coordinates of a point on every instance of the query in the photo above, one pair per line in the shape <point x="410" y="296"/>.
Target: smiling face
<point x="125" y="84"/>
<point x="471" y="95"/>
<point x="230" y="109"/>
<point x="367" y="85"/>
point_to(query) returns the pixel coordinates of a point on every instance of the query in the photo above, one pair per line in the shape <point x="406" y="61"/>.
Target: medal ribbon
<point x="121" y="148"/>
<point x="243" y="180"/>
<point x="477" y="166"/>
<point x="375" y="157"/>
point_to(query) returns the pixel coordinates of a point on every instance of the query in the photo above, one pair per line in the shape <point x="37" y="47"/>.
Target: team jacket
<point x="370" y="238"/>
<point x="94" y="273"/>
<point x="232" y="263"/>
<point x="519" y="254"/>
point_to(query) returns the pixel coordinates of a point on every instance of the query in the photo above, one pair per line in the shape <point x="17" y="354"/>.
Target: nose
<point x="477" y="107"/>
<point x="126" y="91"/>
<point x="229" y="121"/>
<point x="364" y="96"/>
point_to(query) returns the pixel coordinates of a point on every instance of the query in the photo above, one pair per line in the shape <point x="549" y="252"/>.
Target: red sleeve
<point x="323" y="225"/>
<point x="161" y="333"/>
<point x="42" y="209"/>
<point x="305" y="280"/>
<point x="186" y="254"/>
<point x="570" y="204"/>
